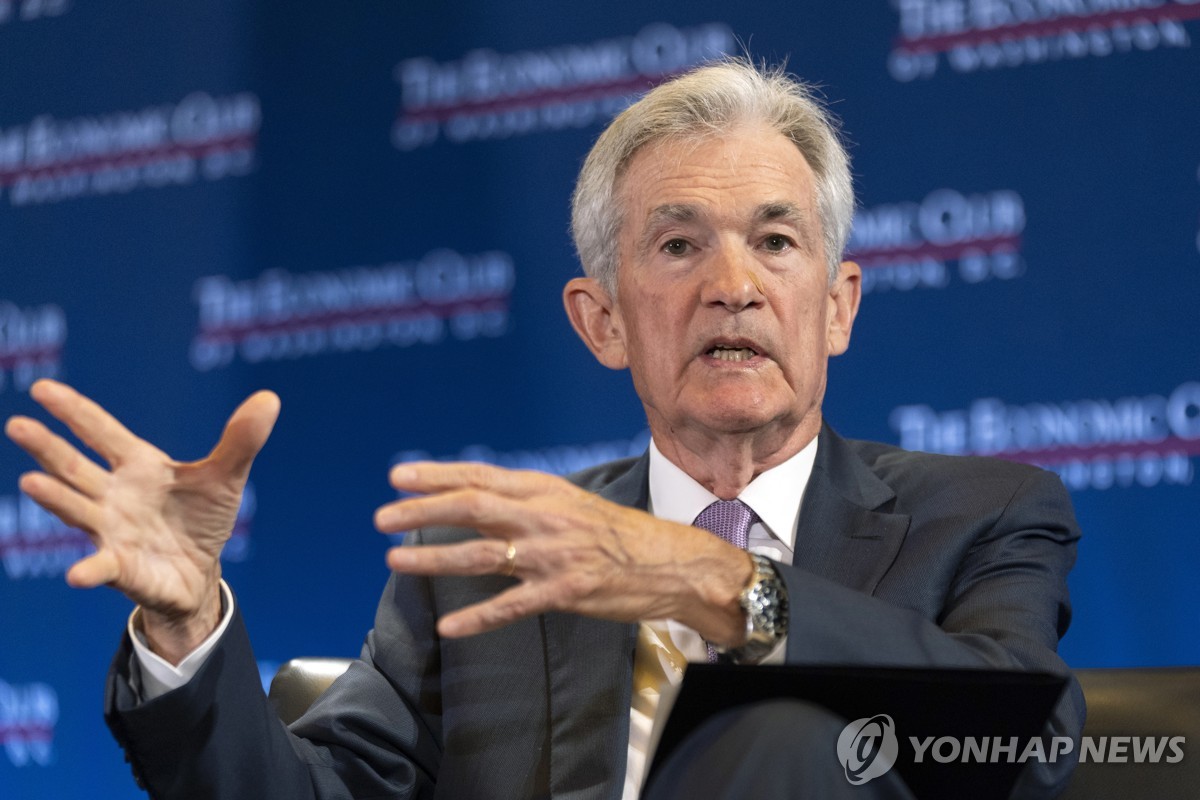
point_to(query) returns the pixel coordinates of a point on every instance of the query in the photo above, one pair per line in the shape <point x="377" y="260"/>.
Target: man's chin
<point x="736" y="418"/>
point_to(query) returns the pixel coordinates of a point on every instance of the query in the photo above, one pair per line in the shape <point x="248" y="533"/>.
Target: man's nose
<point x="730" y="279"/>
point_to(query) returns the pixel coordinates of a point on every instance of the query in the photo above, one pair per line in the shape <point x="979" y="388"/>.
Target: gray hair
<point x="711" y="100"/>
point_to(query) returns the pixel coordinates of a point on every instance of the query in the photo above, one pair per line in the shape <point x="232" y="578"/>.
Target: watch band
<point x="766" y="605"/>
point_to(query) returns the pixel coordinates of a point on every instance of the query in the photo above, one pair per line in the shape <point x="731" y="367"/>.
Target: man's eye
<point x="776" y="243"/>
<point x="676" y="247"/>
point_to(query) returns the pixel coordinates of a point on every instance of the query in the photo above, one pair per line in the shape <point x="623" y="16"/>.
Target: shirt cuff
<point x="157" y="675"/>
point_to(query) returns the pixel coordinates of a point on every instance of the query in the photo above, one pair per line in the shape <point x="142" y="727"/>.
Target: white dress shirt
<point x="775" y="496"/>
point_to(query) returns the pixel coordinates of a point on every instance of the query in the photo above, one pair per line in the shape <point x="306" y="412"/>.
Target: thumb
<point x="95" y="570"/>
<point x="245" y="434"/>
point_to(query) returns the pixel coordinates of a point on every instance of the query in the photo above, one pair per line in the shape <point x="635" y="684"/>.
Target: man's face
<point x="723" y="310"/>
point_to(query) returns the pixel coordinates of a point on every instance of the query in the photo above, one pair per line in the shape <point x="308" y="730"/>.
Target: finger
<point x="245" y="433"/>
<point x="62" y="501"/>
<point x="56" y="455"/>
<point x="97" y="428"/>
<point x="428" y="477"/>
<point x="476" y="557"/>
<point x="519" y="602"/>
<point x="490" y="514"/>
<point x="97" y="569"/>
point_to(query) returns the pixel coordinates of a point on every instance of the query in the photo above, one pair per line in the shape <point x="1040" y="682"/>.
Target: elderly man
<point x="520" y="649"/>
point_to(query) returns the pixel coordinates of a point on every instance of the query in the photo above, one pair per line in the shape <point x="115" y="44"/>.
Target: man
<point x="710" y="219"/>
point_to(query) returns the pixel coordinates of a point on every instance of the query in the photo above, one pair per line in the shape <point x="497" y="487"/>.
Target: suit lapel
<point x="846" y="532"/>
<point x="590" y="664"/>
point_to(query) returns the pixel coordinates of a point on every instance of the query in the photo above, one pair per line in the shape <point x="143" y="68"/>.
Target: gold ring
<point x="510" y="558"/>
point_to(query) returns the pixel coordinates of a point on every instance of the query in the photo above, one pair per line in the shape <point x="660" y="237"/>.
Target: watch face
<point x="765" y="604"/>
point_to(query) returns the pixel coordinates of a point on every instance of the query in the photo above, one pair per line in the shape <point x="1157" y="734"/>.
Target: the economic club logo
<point x="28" y="715"/>
<point x="946" y="237"/>
<point x="31" y="343"/>
<point x="976" y="35"/>
<point x="49" y="160"/>
<point x="281" y="315"/>
<point x="1101" y="443"/>
<point x="488" y="95"/>
<point x="29" y="10"/>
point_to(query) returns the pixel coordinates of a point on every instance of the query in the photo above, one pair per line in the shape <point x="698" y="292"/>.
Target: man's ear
<point x="590" y="309"/>
<point x="844" y="297"/>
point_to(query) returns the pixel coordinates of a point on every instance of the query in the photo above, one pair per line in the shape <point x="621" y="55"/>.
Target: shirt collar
<point x="775" y="495"/>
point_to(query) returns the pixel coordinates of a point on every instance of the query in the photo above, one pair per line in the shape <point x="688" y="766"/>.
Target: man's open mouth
<point x="726" y="353"/>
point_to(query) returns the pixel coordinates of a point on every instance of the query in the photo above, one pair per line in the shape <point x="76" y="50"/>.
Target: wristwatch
<point x="766" y="605"/>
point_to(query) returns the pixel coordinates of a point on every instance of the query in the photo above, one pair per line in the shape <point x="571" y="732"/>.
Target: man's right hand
<point x="158" y="524"/>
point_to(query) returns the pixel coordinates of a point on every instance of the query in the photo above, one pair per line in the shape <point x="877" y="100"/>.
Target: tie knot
<point x="728" y="519"/>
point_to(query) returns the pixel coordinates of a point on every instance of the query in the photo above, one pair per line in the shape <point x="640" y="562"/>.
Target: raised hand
<point x="158" y="524"/>
<point x="570" y="549"/>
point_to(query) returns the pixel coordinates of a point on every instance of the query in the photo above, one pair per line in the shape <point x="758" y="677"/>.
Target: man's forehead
<point x="681" y="180"/>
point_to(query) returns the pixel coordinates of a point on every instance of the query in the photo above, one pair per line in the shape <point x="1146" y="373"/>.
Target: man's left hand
<point x="570" y="549"/>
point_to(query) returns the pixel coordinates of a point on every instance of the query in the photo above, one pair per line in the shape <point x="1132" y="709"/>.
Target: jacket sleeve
<point x="373" y="734"/>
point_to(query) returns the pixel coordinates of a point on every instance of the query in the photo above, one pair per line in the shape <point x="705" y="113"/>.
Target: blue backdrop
<point x="364" y="208"/>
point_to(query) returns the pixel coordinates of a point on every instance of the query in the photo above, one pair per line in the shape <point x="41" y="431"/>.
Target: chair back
<point x="1141" y="702"/>
<point x="301" y="681"/>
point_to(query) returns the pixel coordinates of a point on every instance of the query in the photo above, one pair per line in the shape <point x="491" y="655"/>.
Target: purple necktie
<point x="730" y="520"/>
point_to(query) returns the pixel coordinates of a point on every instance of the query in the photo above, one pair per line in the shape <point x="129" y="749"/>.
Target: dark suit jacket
<point x="901" y="558"/>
